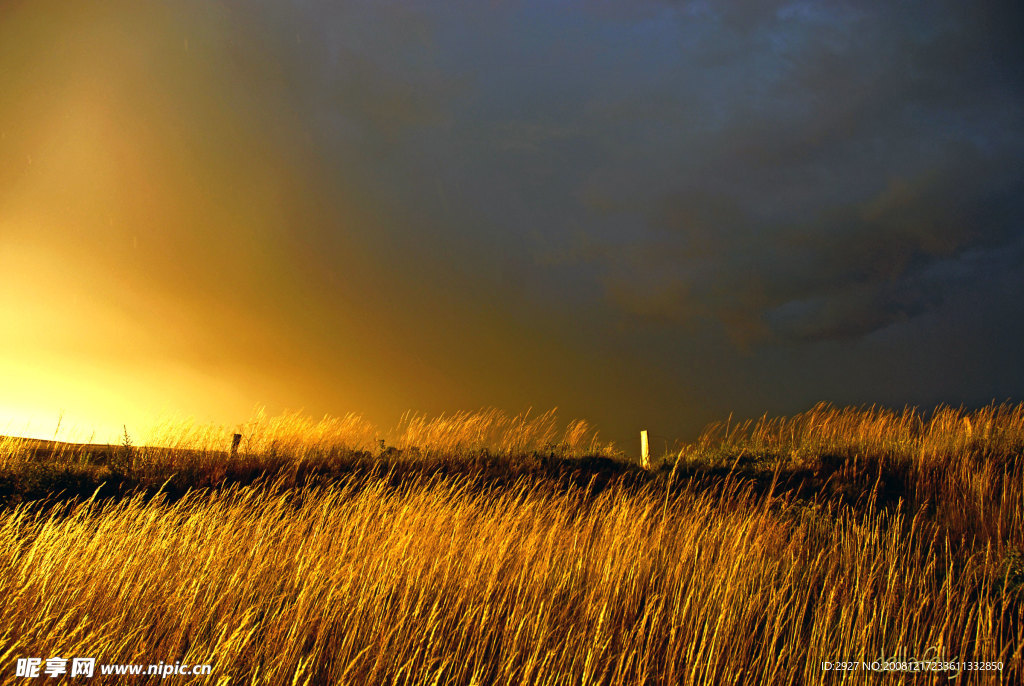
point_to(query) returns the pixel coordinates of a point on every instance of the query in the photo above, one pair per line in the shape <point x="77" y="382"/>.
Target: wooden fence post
<point x="645" y="451"/>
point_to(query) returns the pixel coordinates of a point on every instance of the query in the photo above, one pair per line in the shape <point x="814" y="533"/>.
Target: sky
<point x="647" y="213"/>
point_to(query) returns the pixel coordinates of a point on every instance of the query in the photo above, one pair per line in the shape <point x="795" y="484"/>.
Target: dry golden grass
<point x="181" y="454"/>
<point x="496" y="432"/>
<point x="688" y="578"/>
<point x="967" y="465"/>
<point x="992" y="431"/>
<point x="459" y="433"/>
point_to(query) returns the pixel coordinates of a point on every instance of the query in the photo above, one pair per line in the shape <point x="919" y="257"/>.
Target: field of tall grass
<point x="487" y="549"/>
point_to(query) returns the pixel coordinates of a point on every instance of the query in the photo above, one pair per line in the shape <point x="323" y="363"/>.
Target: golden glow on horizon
<point x="128" y="184"/>
<point x="173" y="242"/>
<point x="67" y="356"/>
<point x="148" y="204"/>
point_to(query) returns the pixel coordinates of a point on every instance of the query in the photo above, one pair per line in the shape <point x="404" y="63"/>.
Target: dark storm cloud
<point x="845" y="271"/>
<point x="754" y="172"/>
<point x="852" y="161"/>
<point x="636" y="210"/>
<point x="799" y="170"/>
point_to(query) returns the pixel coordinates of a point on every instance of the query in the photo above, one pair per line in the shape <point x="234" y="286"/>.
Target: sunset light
<point x="511" y="342"/>
<point x="211" y="207"/>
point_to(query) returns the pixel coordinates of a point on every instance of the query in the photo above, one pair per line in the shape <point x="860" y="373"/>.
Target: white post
<point x="645" y="453"/>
